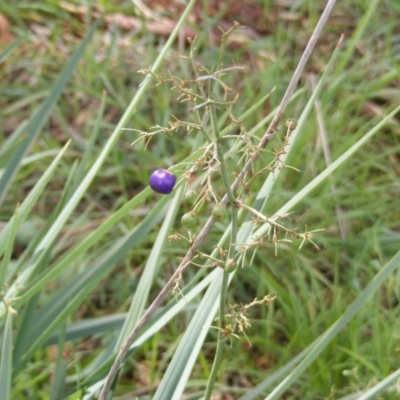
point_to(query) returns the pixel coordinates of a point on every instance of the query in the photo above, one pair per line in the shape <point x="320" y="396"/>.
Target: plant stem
<point x="221" y="342"/>
<point x="227" y="185"/>
<point x="231" y="254"/>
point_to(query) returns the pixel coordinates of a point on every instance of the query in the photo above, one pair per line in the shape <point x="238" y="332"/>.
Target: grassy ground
<point x="314" y="287"/>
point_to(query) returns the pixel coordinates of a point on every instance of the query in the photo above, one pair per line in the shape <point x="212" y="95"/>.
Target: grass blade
<point x="146" y="281"/>
<point x="335" y="329"/>
<point x="357" y="34"/>
<point x="161" y="319"/>
<point x="6" y="358"/>
<point x="67" y="299"/>
<point x="268" y="185"/>
<point x="180" y="367"/>
<point x="82" y="247"/>
<point x="381" y="387"/>
<point x="60" y="373"/>
<point x="8" y="248"/>
<point x="297" y="198"/>
<point x="39" y="118"/>
<point x="31" y="199"/>
<point x="8" y="50"/>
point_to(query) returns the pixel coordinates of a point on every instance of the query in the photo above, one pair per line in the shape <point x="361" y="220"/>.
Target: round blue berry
<point x="162" y="181"/>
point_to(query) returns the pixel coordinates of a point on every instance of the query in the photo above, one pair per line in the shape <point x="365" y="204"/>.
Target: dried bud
<point x="291" y="124"/>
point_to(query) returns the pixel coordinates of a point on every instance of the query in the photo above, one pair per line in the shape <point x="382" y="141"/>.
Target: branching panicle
<point x="209" y="125"/>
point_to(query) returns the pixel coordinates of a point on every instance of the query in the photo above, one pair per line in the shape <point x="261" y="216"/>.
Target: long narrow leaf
<point x="81" y="190"/>
<point x="9" y="246"/>
<point x="159" y="321"/>
<point x="354" y="40"/>
<point x="267" y="188"/>
<point x="81" y="247"/>
<point x="38" y="119"/>
<point x="272" y="178"/>
<point x="9" y="49"/>
<point x="65" y="300"/>
<point x="146" y="281"/>
<point x="6" y="358"/>
<point x="380" y="387"/>
<point x="260" y="389"/>
<point x="180" y="367"/>
<point x="327" y="172"/>
<point x="360" y="301"/>
<point x="31" y="199"/>
<point x="286" y="208"/>
<point x="60" y="373"/>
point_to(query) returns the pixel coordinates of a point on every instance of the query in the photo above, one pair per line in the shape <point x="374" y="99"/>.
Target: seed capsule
<point x="189" y="220"/>
<point x="219" y="212"/>
<point x="190" y="197"/>
<point x="230" y="265"/>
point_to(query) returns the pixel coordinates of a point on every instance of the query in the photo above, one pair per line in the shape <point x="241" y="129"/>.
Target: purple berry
<point x="162" y="181"/>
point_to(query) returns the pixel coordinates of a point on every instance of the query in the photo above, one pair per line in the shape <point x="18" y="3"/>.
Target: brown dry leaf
<point x="79" y="10"/>
<point x="142" y="374"/>
<point x="165" y="27"/>
<point x="160" y="25"/>
<point x="394" y="159"/>
<point x="124" y="22"/>
<point x="5" y="36"/>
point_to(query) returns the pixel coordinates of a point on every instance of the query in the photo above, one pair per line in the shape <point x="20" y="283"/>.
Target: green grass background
<point x="314" y="287"/>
